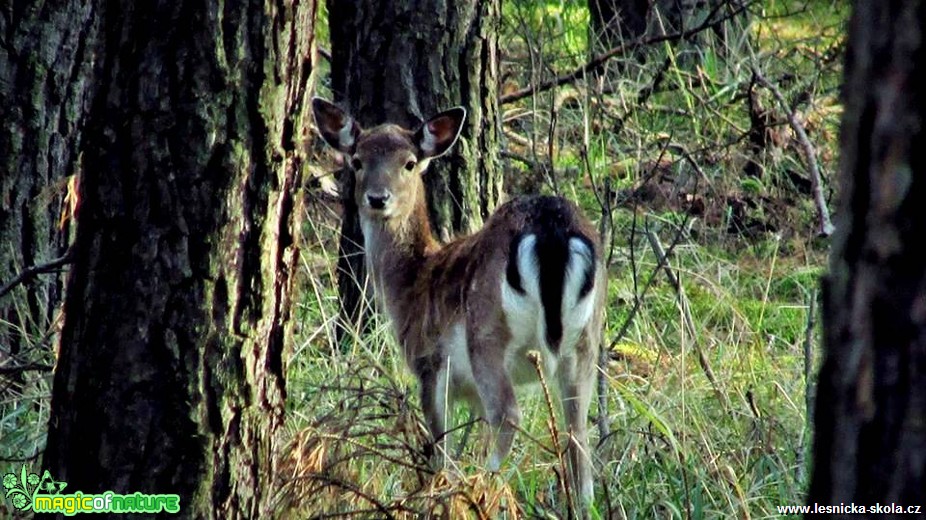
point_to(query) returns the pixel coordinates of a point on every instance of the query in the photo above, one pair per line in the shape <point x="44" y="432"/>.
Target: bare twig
<point x="31" y="272"/>
<point x="809" y="388"/>
<point x="29" y="367"/>
<point x="686" y="315"/>
<point x="598" y="61"/>
<point x="603" y="197"/>
<point x="554" y="431"/>
<point x="810" y="155"/>
<point x="329" y="480"/>
<point x="639" y="293"/>
<point x="604" y="231"/>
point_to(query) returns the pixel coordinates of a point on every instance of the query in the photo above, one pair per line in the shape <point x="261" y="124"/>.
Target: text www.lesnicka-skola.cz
<point x="850" y="509"/>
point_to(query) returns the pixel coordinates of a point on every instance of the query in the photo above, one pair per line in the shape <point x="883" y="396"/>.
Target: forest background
<point x="701" y="137"/>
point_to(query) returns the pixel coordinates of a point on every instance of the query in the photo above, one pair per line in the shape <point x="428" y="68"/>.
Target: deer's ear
<point x="338" y="129"/>
<point x="436" y="136"/>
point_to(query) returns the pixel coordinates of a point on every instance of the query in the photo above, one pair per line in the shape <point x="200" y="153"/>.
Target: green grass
<point x="681" y="445"/>
<point x="677" y="449"/>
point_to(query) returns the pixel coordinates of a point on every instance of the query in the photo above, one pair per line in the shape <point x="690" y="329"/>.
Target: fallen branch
<point x="598" y="61"/>
<point x="686" y="314"/>
<point x="810" y="155"/>
<point x="35" y="270"/>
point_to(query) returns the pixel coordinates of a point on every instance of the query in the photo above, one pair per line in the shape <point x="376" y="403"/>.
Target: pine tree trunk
<point x="170" y="377"/>
<point x="870" y="444"/>
<point x="404" y="62"/>
<point x="46" y="55"/>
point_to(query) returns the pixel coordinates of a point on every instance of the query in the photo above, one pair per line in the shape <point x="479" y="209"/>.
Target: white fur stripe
<point x="428" y="141"/>
<point x="577" y="311"/>
<point x="345" y="135"/>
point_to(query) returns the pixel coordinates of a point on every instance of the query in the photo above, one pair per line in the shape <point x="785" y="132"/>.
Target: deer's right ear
<point x="436" y="136"/>
<point x="338" y="129"/>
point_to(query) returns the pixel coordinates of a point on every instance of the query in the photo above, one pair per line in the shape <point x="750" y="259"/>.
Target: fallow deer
<point x="467" y="313"/>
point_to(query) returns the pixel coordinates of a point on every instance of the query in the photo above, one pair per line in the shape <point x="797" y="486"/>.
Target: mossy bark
<point x="170" y="376"/>
<point x="870" y="440"/>
<point x="403" y="62"/>
<point x="46" y="59"/>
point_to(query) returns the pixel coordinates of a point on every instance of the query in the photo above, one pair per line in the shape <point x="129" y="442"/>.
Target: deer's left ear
<point x="337" y="127"/>
<point x="436" y="136"/>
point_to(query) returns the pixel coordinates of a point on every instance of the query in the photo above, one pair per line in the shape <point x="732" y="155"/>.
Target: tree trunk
<point x="170" y="376"/>
<point x="404" y="62"/>
<point x="870" y="444"/>
<point x="45" y="59"/>
<point x="613" y="22"/>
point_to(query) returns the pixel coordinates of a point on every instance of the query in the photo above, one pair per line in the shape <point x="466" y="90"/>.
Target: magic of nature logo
<point x="27" y="491"/>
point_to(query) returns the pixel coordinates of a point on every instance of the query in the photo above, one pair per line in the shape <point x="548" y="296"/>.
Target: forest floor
<point x="709" y="378"/>
<point x="686" y="156"/>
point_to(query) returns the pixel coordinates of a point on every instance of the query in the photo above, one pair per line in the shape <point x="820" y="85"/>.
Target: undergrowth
<point x="707" y="360"/>
<point x="709" y="346"/>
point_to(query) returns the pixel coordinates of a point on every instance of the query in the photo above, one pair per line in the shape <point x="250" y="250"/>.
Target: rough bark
<point x="171" y="365"/>
<point x="404" y="62"/>
<point x="870" y="444"/>
<point x="46" y="57"/>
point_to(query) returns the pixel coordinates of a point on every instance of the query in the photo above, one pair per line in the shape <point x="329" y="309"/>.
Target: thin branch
<point x="686" y="314"/>
<point x="31" y="272"/>
<point x="810" y="155"/>
<point x="328" y="480"/>
<point x="30" y="367"/>
<point x="598" y="61"/>
<point x="649" y="282"/>
<point x="640" y="293"/>
<point x="809" y="387"/>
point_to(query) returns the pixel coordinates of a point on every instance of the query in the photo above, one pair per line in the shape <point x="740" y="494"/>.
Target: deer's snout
<point x="378" y="199"/>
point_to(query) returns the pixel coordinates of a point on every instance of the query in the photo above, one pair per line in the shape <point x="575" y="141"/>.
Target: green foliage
<point x="662" y="136"/>
<point x="659" y="142"/>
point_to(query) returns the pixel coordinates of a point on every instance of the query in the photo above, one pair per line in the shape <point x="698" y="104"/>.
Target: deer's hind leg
<point x="495" y="390"/>
<point x="576" y="381"/>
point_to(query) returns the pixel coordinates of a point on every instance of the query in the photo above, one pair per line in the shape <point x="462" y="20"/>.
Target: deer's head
<point x="387" y="160"/>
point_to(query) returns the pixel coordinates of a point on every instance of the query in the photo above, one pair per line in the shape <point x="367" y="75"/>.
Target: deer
<point x="468" y="313"/>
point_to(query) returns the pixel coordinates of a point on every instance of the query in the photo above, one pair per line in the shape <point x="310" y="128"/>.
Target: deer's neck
<point x="396" y="249"/>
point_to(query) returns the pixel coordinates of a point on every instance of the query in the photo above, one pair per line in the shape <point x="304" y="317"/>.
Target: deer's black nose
<point x="377" y="201"/>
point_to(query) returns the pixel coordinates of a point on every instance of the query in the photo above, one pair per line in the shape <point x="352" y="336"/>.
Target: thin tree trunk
<point x="46" y="55"/>
<point x="870" y="444"/>
<point x="170" y="377"/>
<point x="404" y="62"/>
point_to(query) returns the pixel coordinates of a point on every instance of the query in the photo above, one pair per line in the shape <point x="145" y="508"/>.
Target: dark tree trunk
<point x="613" y="22"/>
<point x="170" y="374"/>
<point x="870" y="444"/>
<point x="404" y="62"/>
<point x="46" y="56"/>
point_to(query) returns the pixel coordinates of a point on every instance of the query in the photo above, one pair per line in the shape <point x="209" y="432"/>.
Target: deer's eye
<point x="410" y="165"/>
<point x="356" y="164"/>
